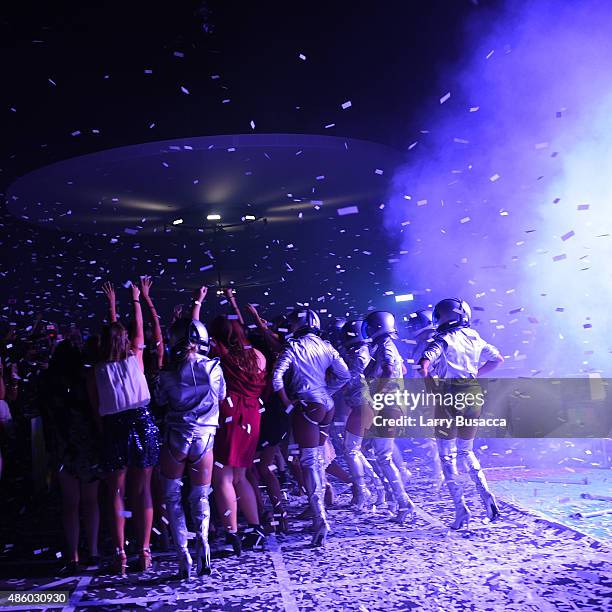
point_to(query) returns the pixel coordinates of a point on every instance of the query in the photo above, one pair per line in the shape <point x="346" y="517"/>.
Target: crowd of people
<point x="184" y="426"/>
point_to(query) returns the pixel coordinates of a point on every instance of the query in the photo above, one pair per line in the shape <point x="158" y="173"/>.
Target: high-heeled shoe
<point x="361" y="495"/>
<point x="118" y="564"/>
<point x="381" y="498"/>
<point x="463" y="516"/>
<point x="70" y="569"/>
<point x="254" y="538"/>
<point x="406" y="512"/>
<point x="185" y="563"/>
<point x="145" y="560"/>
<point x="232" y="538"/>
<point x="491" y="507"/>
<point x="321" y="531"/>
<point x="329" y="496"/>
<point x="202" y="556"/>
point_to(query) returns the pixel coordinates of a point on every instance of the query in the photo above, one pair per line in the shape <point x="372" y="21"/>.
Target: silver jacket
<point x="416" y="347"/>
<point x="387" y="364"/>
<point x="357" y="358"/>
<point x="457" y="353"/>
<point x="306" y="361"/>
<point x="386" y="357"/>
<point x="192" y="393"/>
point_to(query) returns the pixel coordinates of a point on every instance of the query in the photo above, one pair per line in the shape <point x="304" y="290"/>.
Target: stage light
<point x="213" y="217"/>
<point x="177" y="222"/>
<point x="406" y="297"/>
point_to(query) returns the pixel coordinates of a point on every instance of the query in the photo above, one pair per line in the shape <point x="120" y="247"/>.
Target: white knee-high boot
<point x="448" y="459"/>
<point x="383" y="447"/>
<point x="178" y="527"/>
<point x="313" y="483"/>
<point x="356" y="463"/>
<point x="200" y="515"/>
<point x="467" y="458"/>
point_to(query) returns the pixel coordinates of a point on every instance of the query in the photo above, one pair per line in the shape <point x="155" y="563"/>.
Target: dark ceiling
<point x="85" y="77"/>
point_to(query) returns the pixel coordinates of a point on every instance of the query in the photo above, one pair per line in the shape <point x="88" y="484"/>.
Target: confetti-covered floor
<point x="527" y="561"/>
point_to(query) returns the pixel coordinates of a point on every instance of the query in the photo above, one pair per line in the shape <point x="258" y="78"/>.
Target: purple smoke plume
<point x="505" y="200"/>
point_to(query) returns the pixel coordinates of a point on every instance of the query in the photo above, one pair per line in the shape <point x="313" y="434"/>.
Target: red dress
<point x="239" y="413"/>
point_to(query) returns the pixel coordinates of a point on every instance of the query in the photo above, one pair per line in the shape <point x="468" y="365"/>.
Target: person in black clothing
<point x="72" y="442"/>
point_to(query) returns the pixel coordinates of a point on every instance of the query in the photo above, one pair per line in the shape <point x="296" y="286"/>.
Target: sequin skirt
<point x="131" y="439"/>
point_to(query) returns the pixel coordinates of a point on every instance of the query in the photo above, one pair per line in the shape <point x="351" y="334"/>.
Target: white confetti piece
<point x="445" y="97"/>
<point x="348" y="210"/>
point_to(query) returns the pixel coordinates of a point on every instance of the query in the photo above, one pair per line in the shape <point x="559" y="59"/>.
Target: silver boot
<point x="313" y="483"/>
<point x="356" y="464"/>
<point x="200" y="516"/>
<point x="176" y="520"/>
<point x="398" y="459"/>
<point x="448" y="459"/>
<point x="383" y="447"/>
<point x="371" y="470"/>
<point x="467" y="458"/>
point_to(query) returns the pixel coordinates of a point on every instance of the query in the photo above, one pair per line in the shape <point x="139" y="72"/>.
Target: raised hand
<point x="109" y="291"/>
<point x="135" y="291"/>
<point x="200" y="293"/>
<point x="145" y="286"/>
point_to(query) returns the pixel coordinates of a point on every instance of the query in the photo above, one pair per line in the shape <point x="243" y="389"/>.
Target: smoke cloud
<point x="505" y="200"/>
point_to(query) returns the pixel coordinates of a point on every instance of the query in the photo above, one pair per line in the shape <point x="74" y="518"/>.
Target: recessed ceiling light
<point x="214" y="217"/>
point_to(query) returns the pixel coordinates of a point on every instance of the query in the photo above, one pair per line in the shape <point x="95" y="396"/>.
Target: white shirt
<point x="458" y="353"/>
<point x="121" y="386"/>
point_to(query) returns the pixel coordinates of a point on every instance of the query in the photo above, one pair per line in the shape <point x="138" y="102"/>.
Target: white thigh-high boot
<point x="200" y="515"/>
<point x="383" y="447"/>
<point x="374" y="473"/>
<point x="178" y="527"/>
<point x="398" y="459"/>
<point x="313" y="483"/>
<point x="356" y="463"/>
<point x="467" y="458"/>
<point x="448" y="459"/>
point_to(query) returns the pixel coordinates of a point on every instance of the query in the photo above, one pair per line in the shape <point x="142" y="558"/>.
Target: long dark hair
<point x="114" y="343"/>
<point x="230" y="334"/>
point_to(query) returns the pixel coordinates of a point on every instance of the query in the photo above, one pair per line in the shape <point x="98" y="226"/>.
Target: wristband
<point x="197" y="302"/>
<point x="136" y="301"/>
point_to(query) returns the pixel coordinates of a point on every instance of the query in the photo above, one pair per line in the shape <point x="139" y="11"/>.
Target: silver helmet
<point x="378" y="323"/>
<point x="352" y="333"/>
<point x="187" y="334"/>
<point x="303" y="320"/>
<point x="419" y="321"/>
<point x="452" y="312"/>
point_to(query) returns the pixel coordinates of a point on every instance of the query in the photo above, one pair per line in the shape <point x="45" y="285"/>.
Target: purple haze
<point x="532" y="105"/>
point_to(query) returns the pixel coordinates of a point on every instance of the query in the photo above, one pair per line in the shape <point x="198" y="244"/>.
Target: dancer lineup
<point x="190" y="423"/>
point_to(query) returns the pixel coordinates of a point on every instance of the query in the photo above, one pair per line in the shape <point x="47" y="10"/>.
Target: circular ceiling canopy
<point x="143" y="187"/>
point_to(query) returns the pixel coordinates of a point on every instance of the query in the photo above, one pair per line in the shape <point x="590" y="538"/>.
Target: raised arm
<point x="109" y="292"/>
<point x="198" y="298"/>
<point x="138" y="328"/>
<point x="272" y="339"/>
<point x="145" y="288"/>
<point x="231" y="298"/>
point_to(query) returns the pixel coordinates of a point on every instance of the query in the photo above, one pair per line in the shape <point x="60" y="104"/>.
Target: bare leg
<point x="116" y="485"/>
<point x="225" y="496"/>
<point x="142" y="504"/>
<point x="246" y="496"/>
